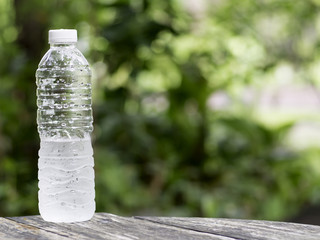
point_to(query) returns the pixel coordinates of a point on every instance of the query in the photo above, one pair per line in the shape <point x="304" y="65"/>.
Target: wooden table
<point x="108" y="226"/>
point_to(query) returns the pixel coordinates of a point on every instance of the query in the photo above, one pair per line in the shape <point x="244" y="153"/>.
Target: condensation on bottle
<point x="64" y="118"/>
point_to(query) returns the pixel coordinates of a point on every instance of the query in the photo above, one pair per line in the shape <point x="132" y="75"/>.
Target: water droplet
<point x="63" y="124"/>
<point x="64" y="98"/>
<point x="66" y="105"/>
<point x="59" y="106"/>
<point x="51" y="106"/>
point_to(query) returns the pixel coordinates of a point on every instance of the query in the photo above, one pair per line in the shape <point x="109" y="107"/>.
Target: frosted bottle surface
<point x="66" y="175"/>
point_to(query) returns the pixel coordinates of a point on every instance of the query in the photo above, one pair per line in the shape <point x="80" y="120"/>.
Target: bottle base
<point x="60" y="214"/>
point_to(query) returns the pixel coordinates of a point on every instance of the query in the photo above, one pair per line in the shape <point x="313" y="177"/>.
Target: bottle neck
<point x="62" y="45"/>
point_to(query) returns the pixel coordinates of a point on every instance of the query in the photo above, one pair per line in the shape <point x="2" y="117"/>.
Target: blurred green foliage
<point x="159" y="146"/>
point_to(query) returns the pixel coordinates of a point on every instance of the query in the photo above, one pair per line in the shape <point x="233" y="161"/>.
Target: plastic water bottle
<point x="66" y="175"/>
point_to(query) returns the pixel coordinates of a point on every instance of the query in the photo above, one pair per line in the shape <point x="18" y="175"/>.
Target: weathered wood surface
<point x="108" y="226"/>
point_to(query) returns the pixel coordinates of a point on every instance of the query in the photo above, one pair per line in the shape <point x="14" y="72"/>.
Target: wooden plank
<point x="69" y="229"/>
<point x="141" y="229"/>
<point x="243" y="229"/>
<point x="108" y="226"/>
<point x="10" y="230"/>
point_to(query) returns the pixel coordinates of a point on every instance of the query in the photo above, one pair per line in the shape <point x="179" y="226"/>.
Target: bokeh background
<point x="204" y="108"/>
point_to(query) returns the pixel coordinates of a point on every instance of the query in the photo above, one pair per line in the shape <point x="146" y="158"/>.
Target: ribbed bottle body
<point x="64" y="117"/>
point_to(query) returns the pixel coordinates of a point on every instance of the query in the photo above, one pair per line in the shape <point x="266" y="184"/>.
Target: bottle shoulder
<point x="60" y="57"/>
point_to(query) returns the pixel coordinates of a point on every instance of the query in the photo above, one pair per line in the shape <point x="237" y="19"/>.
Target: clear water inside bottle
<point x="66" y="180"/>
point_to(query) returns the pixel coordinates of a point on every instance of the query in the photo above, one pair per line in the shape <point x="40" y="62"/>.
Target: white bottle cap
<point x="63" y="36"/>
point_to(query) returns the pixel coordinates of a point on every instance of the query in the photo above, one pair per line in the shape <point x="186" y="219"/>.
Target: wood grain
<point x="243" y="229"/>
<point x="109" y="226"/>
<point x="10" y="230"/>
